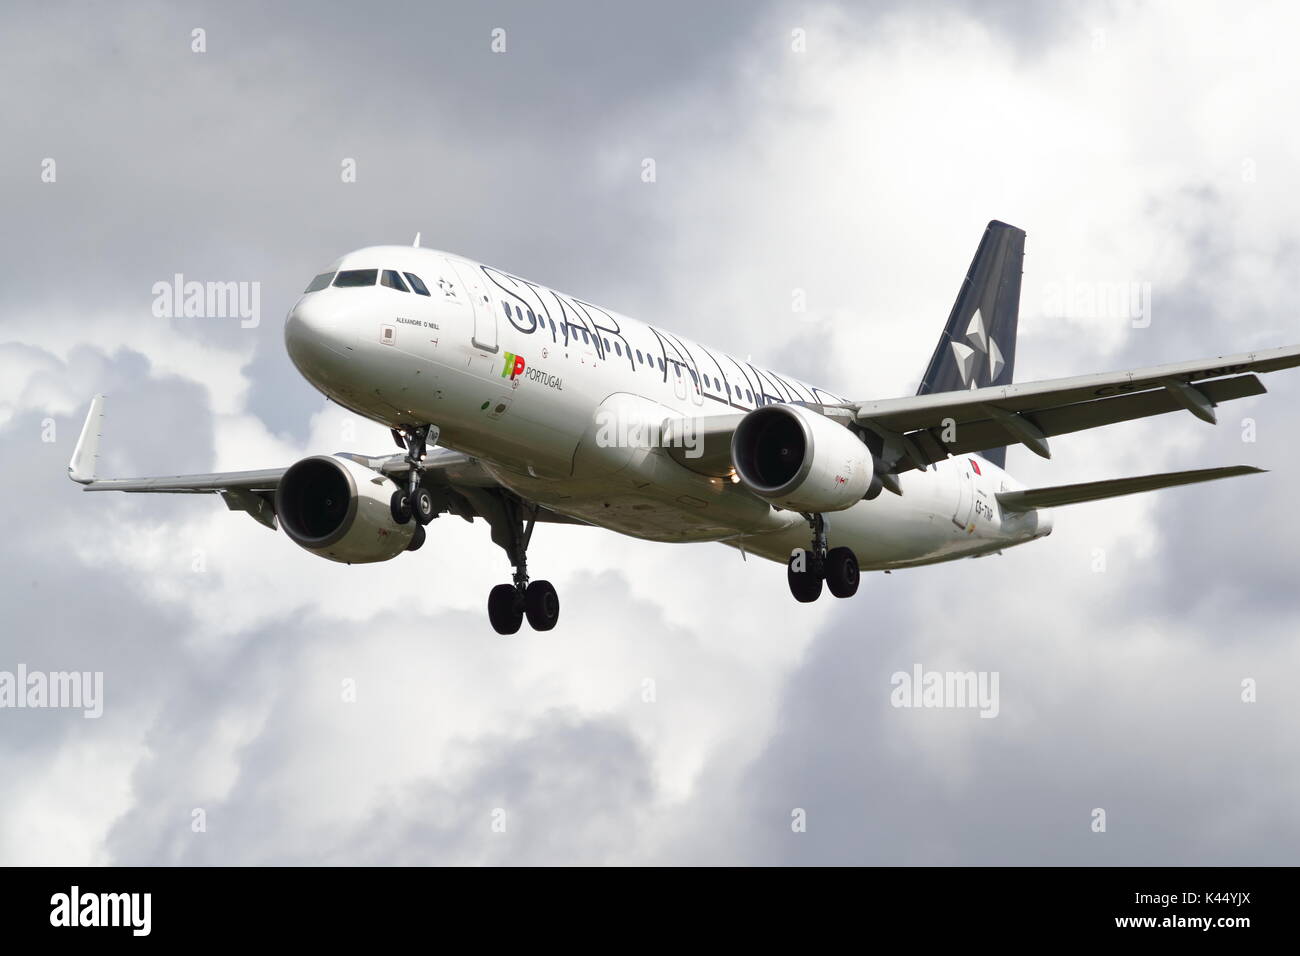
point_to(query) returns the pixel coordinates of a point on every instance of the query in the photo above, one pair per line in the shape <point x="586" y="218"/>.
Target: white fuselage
<point x="523" y="378"/>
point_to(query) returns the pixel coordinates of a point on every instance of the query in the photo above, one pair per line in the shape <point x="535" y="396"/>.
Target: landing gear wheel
<point x="842" y="572"/>
<point x="505" y="609"/>
<point x="805" y="584"/>
<point x="414" y="501"/>
<point x="400" y="506"/>
<point x="422" y="505"/>
<point x="542" y="605"/>
<point x="417" y="539"/>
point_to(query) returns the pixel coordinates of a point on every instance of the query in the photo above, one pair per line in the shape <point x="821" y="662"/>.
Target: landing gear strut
<point x="415" y="501"/>
<point x="808" y="569"/>
<point x="509" y="604"/>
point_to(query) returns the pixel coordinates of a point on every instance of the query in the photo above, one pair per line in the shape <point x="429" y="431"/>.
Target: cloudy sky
<point x="1141" y="146"/>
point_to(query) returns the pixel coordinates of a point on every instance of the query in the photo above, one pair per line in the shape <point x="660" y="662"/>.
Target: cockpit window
<point x="318" y="283"/>
<point x="416" y="284"/>
<point x="355" y="277"/>
<point x="391" y="279"/>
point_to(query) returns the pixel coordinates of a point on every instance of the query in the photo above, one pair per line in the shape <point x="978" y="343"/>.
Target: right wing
<point x="459" y="482"/>
<point x="440" y="464"/>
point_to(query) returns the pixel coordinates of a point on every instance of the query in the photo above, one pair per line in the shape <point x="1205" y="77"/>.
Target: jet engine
<point x="340" y="510"/>
<point x="800" y="460"/>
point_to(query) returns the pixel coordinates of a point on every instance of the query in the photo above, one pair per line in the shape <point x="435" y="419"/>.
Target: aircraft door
<point x="695" y="387"/>
<point x="965" y="494"/>
<point x="485" y="317"/>
<point x="681" y="379"/>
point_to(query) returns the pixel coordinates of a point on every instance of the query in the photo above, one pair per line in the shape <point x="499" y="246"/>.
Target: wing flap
<point x="1059" y="495"/>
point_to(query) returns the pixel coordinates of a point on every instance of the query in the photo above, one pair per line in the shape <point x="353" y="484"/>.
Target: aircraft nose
<point x="318" y="337"/>
<point x="312" y="320"/>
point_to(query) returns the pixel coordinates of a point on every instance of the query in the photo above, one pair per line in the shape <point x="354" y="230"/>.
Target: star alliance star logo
<point x="968" y="356"/>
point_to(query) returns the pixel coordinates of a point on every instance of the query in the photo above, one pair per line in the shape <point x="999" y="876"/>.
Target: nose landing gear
<point x="808" y="569"/>
<point x="415" y="501"/>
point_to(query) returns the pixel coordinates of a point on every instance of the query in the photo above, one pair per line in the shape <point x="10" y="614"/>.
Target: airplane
<point x="520" y="405"/>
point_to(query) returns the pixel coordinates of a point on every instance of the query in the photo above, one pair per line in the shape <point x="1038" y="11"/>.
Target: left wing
<point x="918" y="431"/>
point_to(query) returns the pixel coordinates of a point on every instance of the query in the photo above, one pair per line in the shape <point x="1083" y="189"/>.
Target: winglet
<point x="81" y="468"/>
<point x="416" y="244"/>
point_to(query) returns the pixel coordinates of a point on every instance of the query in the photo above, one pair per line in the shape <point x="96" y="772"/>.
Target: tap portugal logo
<point x="513" y="366"/>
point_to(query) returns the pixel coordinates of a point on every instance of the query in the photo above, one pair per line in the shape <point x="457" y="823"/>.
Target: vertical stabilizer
<point x="978" y="345"/>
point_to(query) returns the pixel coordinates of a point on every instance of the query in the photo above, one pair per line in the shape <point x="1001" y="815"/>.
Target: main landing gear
<point x="509" y="604"/>
<point x="512" y="528"/>
<point x="808" y="569"/>
<point x="414" y="501"/>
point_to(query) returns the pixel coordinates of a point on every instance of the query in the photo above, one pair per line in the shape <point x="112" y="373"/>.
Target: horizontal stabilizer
<point x="1113" y="488"/>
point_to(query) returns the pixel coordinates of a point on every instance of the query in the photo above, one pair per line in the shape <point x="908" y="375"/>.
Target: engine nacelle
<point x="800" y="460"/>
<point x="340" y="510"/>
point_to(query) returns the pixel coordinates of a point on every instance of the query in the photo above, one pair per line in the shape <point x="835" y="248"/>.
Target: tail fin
<point x="978" y="345"/>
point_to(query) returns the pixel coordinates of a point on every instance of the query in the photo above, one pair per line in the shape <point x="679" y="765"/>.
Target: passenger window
<point x="661" y="365"/>
<point x="639" y="357"/>
<point x="618" y="349"/>
<point x="606" y="341"/>
<point x="416" y="284"/>
<point x="355" y="278"/>
<point x="393" y="281"/>
<point x="586" y="339"/>
<point x="318" y="283"/>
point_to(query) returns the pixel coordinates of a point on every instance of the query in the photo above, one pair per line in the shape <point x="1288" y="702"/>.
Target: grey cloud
<point x="1185" y="771"/>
